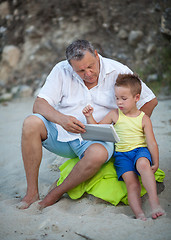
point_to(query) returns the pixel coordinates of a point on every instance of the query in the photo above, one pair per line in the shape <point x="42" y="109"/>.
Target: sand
<point x="85" y="218"/>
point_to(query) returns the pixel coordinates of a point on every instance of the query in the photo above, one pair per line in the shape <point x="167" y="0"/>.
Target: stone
<point x="4" y="9"/>
<point x="25" y="91"/>
<point x="166" y="22"/>
<point x="135" y="37"/>
<point x="152" y="77"/>
<point x="123" y="34"/>
<point x="15" y="90"/>
<point x="5" y="71"/>
<point x="151" y="48"/>
<point x="11" y="55"/>
<point x="6" y="97"/>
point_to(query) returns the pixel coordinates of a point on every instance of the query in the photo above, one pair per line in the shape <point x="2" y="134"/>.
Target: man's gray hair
<point x="76" y="50"/>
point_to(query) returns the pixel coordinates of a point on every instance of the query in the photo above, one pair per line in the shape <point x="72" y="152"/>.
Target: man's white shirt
<point x="67" y="93"/>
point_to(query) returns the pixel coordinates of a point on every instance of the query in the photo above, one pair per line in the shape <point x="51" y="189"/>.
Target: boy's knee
<point x="142" y="164"/>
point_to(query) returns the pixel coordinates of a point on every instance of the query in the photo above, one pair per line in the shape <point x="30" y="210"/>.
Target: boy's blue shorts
<point x="71" y="149"/>
<point x="126" y="161"/>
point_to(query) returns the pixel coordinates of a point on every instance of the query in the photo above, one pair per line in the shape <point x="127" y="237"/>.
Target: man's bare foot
<point x="27" y="201"/>
<point x="51" y="198"/>
<point x="157" y="212"/>
<point x="141" y="216"/>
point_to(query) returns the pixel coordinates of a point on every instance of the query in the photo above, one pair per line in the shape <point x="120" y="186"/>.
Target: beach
<point x="86" y="218"/>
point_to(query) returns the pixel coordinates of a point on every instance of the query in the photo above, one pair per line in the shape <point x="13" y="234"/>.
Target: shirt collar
<point x="106" y="67"/>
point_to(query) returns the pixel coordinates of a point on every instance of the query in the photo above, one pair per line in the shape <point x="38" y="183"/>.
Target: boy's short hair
<point x="129" y="80"/>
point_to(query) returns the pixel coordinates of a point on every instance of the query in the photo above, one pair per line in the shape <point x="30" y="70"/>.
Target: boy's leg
<point x="134" y="191"/>
<point x="149" y="182"/>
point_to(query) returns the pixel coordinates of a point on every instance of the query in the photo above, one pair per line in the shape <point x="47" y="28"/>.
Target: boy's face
<point x="125" y="99"/>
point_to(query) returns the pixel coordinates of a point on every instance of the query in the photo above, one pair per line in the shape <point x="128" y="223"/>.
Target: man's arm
<point x="149" y="106"/>
<point x="69" y="123"/>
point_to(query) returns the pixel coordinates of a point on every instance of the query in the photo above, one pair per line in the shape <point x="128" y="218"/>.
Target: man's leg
<point x="34" y="131"/>
<point x="149" y="182"/>
<point x="95" y="155"/>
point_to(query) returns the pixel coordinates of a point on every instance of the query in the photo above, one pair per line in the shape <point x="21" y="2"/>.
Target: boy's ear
<point x="137" y="97"/>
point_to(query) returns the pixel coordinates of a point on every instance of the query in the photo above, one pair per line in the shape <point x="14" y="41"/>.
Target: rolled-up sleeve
<point x="146" y="95"/>
<point x="52" y="89"/>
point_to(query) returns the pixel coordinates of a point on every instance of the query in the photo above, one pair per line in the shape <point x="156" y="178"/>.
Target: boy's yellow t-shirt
<point x="130" y="132"/>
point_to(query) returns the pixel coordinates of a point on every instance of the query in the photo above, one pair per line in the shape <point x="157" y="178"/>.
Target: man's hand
<point x="71" y="124"/>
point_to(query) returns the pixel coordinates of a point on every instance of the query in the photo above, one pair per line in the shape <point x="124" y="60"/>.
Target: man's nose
<point x="87" y="73"/>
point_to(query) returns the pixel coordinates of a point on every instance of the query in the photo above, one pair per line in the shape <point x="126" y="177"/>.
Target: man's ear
<point x="96" y="54"/>
<point x="137" y="97"/>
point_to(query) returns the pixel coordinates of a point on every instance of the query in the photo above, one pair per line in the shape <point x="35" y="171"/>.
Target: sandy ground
<point x="86" y="218"/>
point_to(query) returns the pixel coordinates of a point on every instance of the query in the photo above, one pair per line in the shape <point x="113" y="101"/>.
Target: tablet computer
<point x="101" y="132"/>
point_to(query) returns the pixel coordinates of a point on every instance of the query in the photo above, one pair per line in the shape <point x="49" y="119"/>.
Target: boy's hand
<point x="154" y="168"/>
<point x="88" y="110"/>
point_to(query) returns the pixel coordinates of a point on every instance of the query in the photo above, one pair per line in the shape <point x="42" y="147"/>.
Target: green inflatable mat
<point x="104" y="184"/>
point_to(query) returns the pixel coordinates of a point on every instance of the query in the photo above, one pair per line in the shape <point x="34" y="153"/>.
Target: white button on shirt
<point x="67" y="93"/>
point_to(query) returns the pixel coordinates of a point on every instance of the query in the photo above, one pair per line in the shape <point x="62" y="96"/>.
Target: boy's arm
<point x="111" y="117"/>
<point x="88" y="113"/>
<point x="151" y="142"/>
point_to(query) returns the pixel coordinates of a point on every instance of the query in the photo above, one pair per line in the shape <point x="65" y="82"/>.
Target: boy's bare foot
<point x="51" y="198"/>
<point x="26" y="202"/>
<point x="141" y="216"/>
<point x="157" y="212"/>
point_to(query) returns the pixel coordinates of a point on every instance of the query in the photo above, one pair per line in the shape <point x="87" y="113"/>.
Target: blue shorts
<point x="126" y="161"/>
<point x="69" y="149"/>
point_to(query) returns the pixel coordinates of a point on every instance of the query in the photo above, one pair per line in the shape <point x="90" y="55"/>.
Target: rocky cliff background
<point x="35" y="33"/>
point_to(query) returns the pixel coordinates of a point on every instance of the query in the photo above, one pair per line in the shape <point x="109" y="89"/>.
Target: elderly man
<point x="84" y="78"/>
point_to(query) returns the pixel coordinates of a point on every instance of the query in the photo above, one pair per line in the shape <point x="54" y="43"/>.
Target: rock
<point x="152" y="77"/>
<point x="139" y="51"/>
<point x="4" y="9"/>
<point x="151" y="48"/>
<point x="123" y="34"/>
<point x="32" y="32"/>
<point x="11" y="55"/>
<point x="135" y="37"/>
<point x="25" y="91"/>
<point x="15" y="90"/>
<point x="6" y="97"/>
<point x="122" y="56"/>
<point x="166" y="22"/>
<point x="116" y="27"/>
<point x="5" y="71"/>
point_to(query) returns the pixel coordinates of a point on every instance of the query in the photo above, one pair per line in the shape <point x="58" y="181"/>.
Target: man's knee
<point x="34" y="125"/>
<point x="96" y="154"/>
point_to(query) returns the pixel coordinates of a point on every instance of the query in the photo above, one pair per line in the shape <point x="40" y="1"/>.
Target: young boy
<point x="137" y="152"/>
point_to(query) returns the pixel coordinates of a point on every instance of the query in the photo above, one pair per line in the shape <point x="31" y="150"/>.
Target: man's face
<point x="88" y="68"/>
